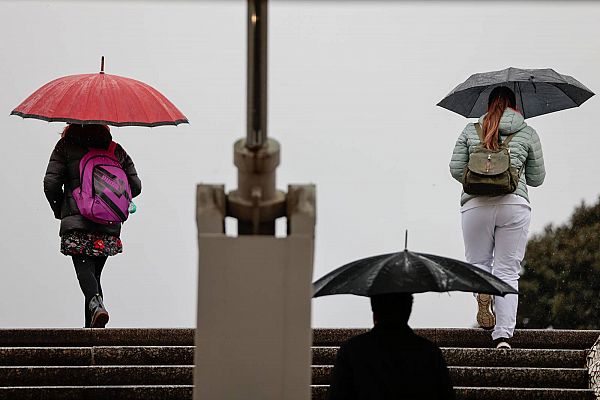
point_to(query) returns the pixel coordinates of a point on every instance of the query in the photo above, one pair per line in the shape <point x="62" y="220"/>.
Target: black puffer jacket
<point x="62" y="176"/>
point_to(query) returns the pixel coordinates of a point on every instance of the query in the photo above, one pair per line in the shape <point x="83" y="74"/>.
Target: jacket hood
<point x="510" y="122"/>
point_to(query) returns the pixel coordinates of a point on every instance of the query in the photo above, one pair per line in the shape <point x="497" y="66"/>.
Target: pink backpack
<point x="104" y="194"/>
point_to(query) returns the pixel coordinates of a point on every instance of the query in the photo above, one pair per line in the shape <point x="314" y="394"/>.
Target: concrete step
<point x="574" y="378"/>
<point x="98" y="355"/>
<point x="447" y="337"/>
<point x="129" y="392"/>
<point x="53" y="337"/>
<point x="184" y="392"/>
<point x="519" y="377"/>
<point x="477" y="393"/>
<point x="501" y="393"/>
<point x="96" y="375"/>
<point x="479" y="338"/>
<point x="184" y="355"/>
<point x="474" y="357"/>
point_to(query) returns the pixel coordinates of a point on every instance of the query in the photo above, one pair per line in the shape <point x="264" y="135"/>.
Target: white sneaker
<point x="502" y="343"/>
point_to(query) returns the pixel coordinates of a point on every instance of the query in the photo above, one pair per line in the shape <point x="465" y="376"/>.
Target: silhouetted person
<point x="390" y="361"/>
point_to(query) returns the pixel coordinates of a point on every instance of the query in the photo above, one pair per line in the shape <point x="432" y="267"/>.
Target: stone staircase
<point x="544" y="364"/>
<point x="135" y="364"/>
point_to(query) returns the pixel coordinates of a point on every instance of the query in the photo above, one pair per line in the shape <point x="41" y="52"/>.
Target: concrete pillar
<point x="253" y="337"/>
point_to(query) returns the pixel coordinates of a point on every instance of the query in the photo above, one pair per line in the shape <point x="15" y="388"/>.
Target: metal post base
<point x="256" y="203"/>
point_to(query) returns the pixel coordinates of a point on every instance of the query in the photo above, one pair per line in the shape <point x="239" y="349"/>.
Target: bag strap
<point x="112" y="147"/>
<point x="508" y="139"/>
<point x="479" y="131"/>
<point x="481" y="138"/>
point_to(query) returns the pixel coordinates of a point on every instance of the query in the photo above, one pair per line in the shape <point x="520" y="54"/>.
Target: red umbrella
<point x="100" y="99"/>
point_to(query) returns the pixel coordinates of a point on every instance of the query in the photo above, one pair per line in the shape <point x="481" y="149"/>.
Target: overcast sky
<point x="352" y="94"/>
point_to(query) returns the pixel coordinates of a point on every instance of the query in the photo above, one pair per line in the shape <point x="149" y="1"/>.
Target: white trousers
<point x="495" y="237"/>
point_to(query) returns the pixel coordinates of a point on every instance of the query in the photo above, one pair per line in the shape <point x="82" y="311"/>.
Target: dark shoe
<point x="485" y="316"/>
<point x="99" y="313"/>
<point x="502" y="343"/>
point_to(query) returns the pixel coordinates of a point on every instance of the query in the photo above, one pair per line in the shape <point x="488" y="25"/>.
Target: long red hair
<point x="500" y="99"/>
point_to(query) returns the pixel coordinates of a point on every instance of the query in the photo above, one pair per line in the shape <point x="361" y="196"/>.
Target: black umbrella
<point x="538" y="92"/>
<point x="408" y="272"/>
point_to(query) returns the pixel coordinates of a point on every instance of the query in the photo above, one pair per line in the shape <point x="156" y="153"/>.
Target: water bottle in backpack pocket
<point x="104" y="194"/>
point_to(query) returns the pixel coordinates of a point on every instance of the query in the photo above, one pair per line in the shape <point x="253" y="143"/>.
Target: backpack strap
<point x="112" y="147"/>
<point x="508" y="139"/>
<point x="479" y="131"/>
<point x="481" y="139"/>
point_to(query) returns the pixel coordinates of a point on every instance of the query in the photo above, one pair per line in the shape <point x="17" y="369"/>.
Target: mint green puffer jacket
<point x="525" y="149"/>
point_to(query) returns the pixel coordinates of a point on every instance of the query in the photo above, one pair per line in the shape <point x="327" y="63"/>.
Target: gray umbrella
<point x="538" y="92"/>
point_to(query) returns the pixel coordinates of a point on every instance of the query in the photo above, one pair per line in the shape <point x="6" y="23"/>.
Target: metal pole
<point x="256" y="124"/>
<point x="256" y="203"/>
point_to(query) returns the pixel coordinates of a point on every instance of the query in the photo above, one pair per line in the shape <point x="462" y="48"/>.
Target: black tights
<point x="88" y="271"/>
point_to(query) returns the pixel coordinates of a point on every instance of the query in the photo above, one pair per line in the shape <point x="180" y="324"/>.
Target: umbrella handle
<point x="406" y="239"/>
<point x="102" y="65"/>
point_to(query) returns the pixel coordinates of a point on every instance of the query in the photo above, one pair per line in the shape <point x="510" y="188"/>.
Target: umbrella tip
<point x="102" y="65"/>
<point x="406" y="240"/>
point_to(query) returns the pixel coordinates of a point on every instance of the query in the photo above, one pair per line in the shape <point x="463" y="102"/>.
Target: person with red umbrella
<point x="91" y="180"/>
<point x="89" y="242"/>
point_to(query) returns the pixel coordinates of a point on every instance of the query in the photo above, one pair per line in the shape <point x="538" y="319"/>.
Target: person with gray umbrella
<point x="496" y="224"/>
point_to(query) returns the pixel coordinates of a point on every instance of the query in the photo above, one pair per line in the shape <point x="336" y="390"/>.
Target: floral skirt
<point x="90" y="244"/>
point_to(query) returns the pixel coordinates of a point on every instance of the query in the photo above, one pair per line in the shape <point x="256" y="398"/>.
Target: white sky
<point x="352" y="94"/>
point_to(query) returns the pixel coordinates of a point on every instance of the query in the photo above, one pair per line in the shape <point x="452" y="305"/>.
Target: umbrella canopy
<point x="100" y="99"/>
<point x="408" y="272"/>
<point x="538" y="92"/>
